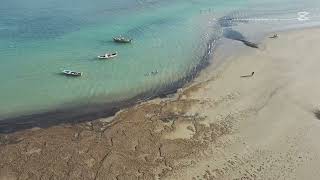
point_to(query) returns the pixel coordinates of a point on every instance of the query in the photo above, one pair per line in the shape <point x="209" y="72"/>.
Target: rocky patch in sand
<point x="132" y="146"/>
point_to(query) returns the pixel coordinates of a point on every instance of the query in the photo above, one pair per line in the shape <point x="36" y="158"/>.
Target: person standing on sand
<point x="248" y="75"/>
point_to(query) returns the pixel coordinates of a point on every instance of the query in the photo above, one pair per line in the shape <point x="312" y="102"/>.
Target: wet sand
<point x="222" y="126"/>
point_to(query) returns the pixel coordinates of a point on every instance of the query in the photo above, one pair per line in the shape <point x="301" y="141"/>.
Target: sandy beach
<point x="221" y="126"/>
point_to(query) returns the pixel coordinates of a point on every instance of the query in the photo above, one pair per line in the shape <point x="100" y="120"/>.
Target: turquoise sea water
<point x="39" y="38"/>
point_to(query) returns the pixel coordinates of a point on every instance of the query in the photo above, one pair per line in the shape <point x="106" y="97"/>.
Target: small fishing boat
<point x="122" y="40"/>
<point x="108" y="55"/>
<point x="71" y="73"/>
<point x="152" y="73"/>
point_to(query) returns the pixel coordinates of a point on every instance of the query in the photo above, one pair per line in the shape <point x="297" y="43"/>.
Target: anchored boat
<point x="71" y="73"/>
<point x="108" y="55"/>
<point x="122" y="40"/>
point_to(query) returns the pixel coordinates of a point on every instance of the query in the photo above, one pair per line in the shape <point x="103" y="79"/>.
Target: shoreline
<point x="92" y="112"/>
<point x="220" y="126"/>
<point x="86" y="113"/>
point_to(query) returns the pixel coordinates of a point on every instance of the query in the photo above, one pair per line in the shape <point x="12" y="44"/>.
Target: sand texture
<point x="222" y="126"/>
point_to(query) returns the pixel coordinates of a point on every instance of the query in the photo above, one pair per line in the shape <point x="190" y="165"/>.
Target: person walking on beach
<point x="250" y="75"/>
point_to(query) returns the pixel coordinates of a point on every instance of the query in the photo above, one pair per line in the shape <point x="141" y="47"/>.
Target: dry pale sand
<point x="273" y="115"/>
<point x="220" y="127"/>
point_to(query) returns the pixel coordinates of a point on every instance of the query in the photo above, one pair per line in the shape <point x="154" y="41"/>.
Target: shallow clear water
<point x="39" y="38"/>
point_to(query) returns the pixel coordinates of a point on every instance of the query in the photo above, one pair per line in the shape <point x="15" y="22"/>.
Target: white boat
<point x="108" y="56"/>
<point x="71" y="73"/>
<point x="121" y="39"/>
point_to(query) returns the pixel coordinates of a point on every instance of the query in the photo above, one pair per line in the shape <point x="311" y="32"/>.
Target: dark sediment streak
<point x="86" y="113"/>
<point x="237" y="36"/>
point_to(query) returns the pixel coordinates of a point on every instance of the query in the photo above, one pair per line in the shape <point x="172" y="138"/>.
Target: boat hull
<point x="117" y="40"/>
<point x="71" y="73"/>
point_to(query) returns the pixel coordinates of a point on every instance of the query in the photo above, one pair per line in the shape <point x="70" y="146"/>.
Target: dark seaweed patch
<point x="317" y="114"/>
